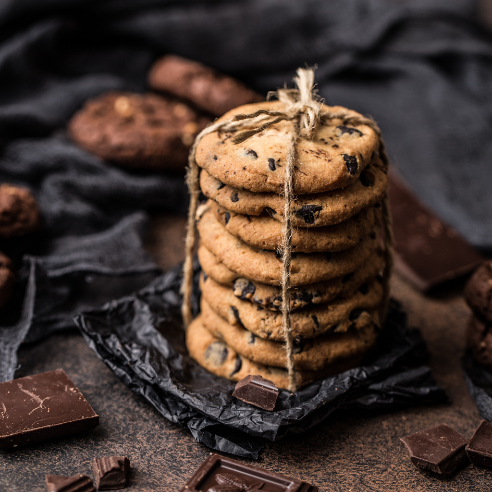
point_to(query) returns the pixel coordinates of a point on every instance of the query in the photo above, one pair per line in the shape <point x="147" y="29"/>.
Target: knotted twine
<point x="305" y="109"/>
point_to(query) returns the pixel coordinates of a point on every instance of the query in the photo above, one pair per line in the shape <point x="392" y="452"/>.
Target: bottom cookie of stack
<point x="220" y="359"/>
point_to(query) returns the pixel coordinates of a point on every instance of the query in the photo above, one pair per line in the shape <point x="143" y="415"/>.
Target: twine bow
<point x="303" y="107"/>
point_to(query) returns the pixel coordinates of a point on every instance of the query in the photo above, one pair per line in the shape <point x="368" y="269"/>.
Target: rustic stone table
<point x="346" y="453"/>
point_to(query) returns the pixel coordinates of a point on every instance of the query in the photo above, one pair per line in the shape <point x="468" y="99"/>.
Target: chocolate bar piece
<point x="41" y="407"/>
<point x="479" y="449"/>
<point x="111" y="473"/>
<point x="220" y="474"/>
<point x="440" y="449"/>
<point x="78" y="483"/>
<point x="427" y="251"/>
<point x="257" y="391"/>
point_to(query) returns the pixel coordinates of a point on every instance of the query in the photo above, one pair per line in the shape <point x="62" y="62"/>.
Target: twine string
<point x="303" y="107"/>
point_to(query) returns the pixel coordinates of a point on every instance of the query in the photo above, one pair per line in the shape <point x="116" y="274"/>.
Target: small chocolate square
<point x="440" y="449"/>
<point x="257" y="391"/>
<point x="220" y="474"/>
<point x="111" y="472"/>
<point x="479" y="449"/>
<point x="77" y="483"/>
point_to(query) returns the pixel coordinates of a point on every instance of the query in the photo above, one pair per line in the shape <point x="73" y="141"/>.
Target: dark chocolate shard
<point x="257" y="391"/>
<point x="440" y="449"/>
<point x="212" y="473"/>
<point x="271" y="164"/>
<point x="41" y="407"/>
<point x="234" y="197"/>
<point x="111" y="473"/>
<point x="309" y="213"/>
<point x="77" y="483"/>
<point x="479" y="448"/>
<point x="351" y="163"/>
<point x="350" y="130"/>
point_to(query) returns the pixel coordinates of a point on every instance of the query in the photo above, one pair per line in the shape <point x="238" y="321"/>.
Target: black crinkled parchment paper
<point x="479" y="383"/>
<point x="141" y="339"/>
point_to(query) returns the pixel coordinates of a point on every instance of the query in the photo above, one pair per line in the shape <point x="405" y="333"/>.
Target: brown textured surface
<point x="359" y="452"/>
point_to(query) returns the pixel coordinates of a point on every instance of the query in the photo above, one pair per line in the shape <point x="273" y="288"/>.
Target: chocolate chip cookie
<point x="337" y="316"/>
<point x="220" y="359"/>
<point x="479" y="339"/>
<point x="266" y="233"/>
<point x="19" y="212"/>
<point x="266" y="266"/>
<point x="6" y="279"/>
<point x="334" y="158"/>
<point x="201" y="85"/>
<point x="270" y="297"/>
<point x="142" y="131"/>
<point x="322" y="209"/>
<point x="478" y="291"/>
<point x="309" y="354"/>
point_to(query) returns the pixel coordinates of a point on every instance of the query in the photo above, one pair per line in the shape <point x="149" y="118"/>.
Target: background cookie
<point x="221" y="360"/>
<point x="266" y="267"/>
<point x="265" y="232"/>
<point x="137" y="130"/>
<point x="310" y="354"/>
<point x="333" y="159"/>
<point x="479" y="339"/>
<point x="203" y="86"/>
<point x="19" y="212"/>
<point x="478" y="291"/>
<point x="322" y="209"/>
<point x="337" y="316"/>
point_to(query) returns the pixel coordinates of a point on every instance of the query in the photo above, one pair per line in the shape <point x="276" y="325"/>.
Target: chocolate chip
<point x="355" y="313"/>
<point x="234" y="197"/>
<point x="243" y="288"/>
<point x="215" y="157"/>
<point x="348" y="129"/>
<point x="298" y="344"/>
<point x="235" y="313"/>
<point x="328" y="256"/>
<point x="259" y="308"/>
<point x="270" y="211"/>
<point x="237" y="367"/>
<point x="351" y="163"/>
<point x="309" y="213"/>
<point x="315" y="320"/>
<point x="205" y="276"/>
<point x="367" y="178"/>
<point x="377" y="205"/>
<point x="347" y="277"/>
<point x="217" y="353"/>
<point x="364" y="288"/>
<point x="335" y="146"/>
<point x="271" y="164"/>
<point x="252" y="338"/>
<point x="302" y="296"/>
<point x="221" y="185"/>
<point x="251" y="153"/>
<point x="227" y="217"/>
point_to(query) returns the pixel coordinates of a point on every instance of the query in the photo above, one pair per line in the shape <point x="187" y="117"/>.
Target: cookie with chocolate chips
<point x="266" y="233"/>
<point x="266" y="266"/>
<point x="6" y="279"/>
<point x="206" y="88"/>
<point x="336" y="317"/>
<point x="309" y="354"/>
<point x="478" y="291"/>
<point x="270" y="297"/>
<point x="333" y="159"/>
<point x="479" y="340"/>
<point x="318" y="210"/>
<point x="19" y="212"/>
<point x="222" y="360"/>
<point x="142" y="131"/>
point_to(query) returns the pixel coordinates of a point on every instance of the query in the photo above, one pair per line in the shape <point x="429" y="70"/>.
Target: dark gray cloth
<point x="422" y="68"/>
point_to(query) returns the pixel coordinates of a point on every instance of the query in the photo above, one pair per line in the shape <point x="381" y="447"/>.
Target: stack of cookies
<point x="337" y="287"/>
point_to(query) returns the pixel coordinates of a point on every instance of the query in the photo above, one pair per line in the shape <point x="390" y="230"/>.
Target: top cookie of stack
<point x="337" y="292"/>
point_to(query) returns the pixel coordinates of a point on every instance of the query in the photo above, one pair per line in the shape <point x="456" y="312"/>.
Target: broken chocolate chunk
<point x="309" y="213"/>
<point x="440" y="449"/>
<point x="479" y="448"/>
<point x="257" y="391"/>
<point x="351" y="163"/>
<point x="40" y="407"/>
<point x="221" y="474"/>
<point x="234" y="197"/>
<point x="77" y="483"/>
<point x="271" y="164"/>
<point x="350" y="130"/>
<point x="111" y="473"/>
